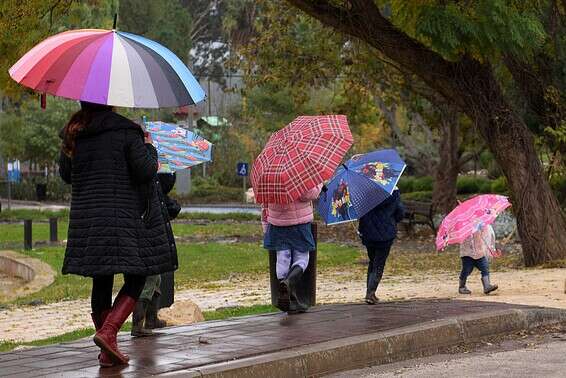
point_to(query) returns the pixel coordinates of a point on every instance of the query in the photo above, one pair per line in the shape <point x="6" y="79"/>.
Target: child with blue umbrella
<point x="364" y="189"/>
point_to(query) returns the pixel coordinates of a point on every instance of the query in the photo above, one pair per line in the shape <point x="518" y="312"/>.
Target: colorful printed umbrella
<point x="360" y="185"/>
<point x="469" y="217"/>
<point x="178" y="148"/>
<point x="108" y="67"/>
<point x="299" y="157"/>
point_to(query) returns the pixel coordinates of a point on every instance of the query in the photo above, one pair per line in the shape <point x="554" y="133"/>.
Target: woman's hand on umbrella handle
<point x="147" y="138"/>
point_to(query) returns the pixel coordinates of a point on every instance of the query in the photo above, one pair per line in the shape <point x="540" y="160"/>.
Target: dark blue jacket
<point x="380" y="224"/>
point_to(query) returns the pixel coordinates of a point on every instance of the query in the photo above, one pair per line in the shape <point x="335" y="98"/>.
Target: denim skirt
<point x="298" y="238"/>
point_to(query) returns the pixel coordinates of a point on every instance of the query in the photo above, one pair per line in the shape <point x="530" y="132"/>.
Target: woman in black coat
<point x="117" y="224"/>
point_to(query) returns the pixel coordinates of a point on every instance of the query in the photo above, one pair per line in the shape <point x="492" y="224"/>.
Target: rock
<point x="182" y="312"/>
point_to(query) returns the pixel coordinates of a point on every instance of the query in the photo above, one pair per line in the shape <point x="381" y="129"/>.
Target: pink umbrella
<point x="469" y="217"/>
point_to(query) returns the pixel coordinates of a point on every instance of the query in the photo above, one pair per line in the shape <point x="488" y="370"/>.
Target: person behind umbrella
<point x="115" y="222"/>
<point x="144" y="317"/>
<point x="288" y="232"/>
<point x="473" y="253"/>
<point x="378" y="230"/>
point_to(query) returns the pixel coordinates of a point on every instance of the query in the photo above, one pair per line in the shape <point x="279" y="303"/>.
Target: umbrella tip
<point x="115" y="21"/>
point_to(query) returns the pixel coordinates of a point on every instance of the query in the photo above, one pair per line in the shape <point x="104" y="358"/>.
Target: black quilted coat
<point x="117" y="222"/>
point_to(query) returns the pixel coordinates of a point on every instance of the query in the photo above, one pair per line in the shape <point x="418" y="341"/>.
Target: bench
<point x="417" y="212"/>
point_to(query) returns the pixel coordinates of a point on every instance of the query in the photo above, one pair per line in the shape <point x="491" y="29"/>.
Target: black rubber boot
<point x="138" y="319"/>
<point x="371" y="299"/>
<point x="462" y="289"/>
<point x="151" y="319"/>
<point x="296" y="306"/>
<point x="487" y="286"/>
<point x="288" y="292"/>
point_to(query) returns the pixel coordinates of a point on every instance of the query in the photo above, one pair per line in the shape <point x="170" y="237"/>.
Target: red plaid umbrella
<point x="299" y="157"/>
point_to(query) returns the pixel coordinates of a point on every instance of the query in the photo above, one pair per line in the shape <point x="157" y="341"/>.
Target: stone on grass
<point x="182" y="312"/>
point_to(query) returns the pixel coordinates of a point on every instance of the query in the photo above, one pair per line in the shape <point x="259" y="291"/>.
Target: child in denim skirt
<point x="288" y="232"/>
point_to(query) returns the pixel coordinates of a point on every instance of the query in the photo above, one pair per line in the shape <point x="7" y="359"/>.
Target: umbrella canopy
<point x="469" y="217"/>
<point x="178" y="148"/>
<point x="299" y="157"/>
<point x="360" y="185"/>
<point x="108" y="67"/>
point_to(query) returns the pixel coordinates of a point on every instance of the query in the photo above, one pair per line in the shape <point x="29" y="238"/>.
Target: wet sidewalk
<point x="211" y="347"/>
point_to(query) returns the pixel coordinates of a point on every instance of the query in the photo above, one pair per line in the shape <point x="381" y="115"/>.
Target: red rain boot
<point x="98" y="320"/>
<point x="105" y="338"/>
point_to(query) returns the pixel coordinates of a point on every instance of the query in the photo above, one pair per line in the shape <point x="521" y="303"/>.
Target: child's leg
<point x="371" y="274"/>
<point x="301" y="259"/>
<point x="467" y="268"/>
<point x="483" y="265"/>
<point x="283" y="263"/>
<point x="381" y="255"/>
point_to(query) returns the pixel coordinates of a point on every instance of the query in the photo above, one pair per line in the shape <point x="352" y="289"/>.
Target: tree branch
<point x="364" y="20"/>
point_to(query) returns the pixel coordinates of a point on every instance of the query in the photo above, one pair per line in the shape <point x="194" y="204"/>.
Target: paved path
<point x="207" y="343"/>
<point x="545" y="360"/>
<point x="528" y="287"/>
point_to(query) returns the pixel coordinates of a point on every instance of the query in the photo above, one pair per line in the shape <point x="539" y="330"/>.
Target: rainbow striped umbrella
<point x="108" y="67"/>
<point x="469" y="217"/>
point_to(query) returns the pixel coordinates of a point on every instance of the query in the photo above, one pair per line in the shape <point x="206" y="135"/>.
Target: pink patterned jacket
<point x="298" y="212"/>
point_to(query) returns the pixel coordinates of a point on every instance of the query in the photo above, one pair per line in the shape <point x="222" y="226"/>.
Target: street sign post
<point x="13" y="176"/>
<point x="243" y="170"/>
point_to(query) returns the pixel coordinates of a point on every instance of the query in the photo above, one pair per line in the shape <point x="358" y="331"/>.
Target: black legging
<point x="377" y="254"/>
<point x="101" y="297"/>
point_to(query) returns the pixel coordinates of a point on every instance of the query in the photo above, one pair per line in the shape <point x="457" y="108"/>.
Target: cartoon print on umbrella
<point x="379" y="172"/>
<point x="341" y="202"/>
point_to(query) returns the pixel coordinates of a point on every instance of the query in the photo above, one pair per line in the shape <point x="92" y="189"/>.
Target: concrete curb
<point x="379" y="348"/>
<point x="36" y="273"/>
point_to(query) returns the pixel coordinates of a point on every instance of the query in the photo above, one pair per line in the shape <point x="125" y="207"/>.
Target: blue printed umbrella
<point x="178" y="148"/>
<point x="359" y="185"/>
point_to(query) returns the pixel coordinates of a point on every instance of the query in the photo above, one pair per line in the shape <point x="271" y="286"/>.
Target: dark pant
<point x="101" y="297"/>
<point x="377" y="254"/>
<point x="468" y="265"/>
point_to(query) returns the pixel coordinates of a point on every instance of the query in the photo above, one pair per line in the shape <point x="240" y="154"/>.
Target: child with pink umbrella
<point x="469" y="225"/>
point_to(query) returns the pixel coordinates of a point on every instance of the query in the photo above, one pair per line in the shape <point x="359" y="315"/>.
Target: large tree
<point x="465" y="76"/>
<point x="288" y="49"/>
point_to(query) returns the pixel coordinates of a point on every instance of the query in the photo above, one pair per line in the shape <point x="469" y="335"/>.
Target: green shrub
<point x="406" y="184"/>
<point x="209" y="190"/>
<point x="485" y="186"/>
<point x="217" y="195"/>
<point x="499" y="185"/>
<point x="423" y="184"/>
<point x="25" y="190"/>
<point x="423" y="196"/>
<point x="470" y="184"/>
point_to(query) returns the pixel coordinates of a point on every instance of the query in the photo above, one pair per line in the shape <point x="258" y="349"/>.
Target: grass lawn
<point x="199" y="264"/>
<point x="12" y="234"/>
<point x="6" y="346"/>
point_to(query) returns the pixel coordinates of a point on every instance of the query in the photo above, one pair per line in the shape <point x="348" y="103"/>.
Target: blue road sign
<point x="243" y="169"/>
<point x="14" y="173"/>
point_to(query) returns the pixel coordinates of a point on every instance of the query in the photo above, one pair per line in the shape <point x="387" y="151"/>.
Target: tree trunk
<point x="540" y="221"/>
<point x="446" y="173"/>
<point x="471" y="87"/>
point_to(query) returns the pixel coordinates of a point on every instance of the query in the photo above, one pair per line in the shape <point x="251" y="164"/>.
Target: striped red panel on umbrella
<point x="300" y="156"/>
